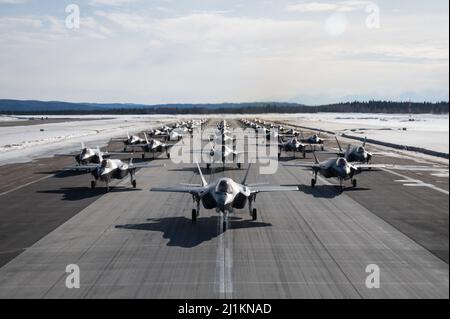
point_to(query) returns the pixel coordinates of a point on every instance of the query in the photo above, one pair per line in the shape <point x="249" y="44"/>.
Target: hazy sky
<point x="168" y="51"/>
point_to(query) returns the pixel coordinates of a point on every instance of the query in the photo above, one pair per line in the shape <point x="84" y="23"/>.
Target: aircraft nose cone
<point x="221" y="200"/>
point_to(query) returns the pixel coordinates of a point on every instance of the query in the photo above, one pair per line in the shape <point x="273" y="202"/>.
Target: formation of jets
<point x="224" y="194"/>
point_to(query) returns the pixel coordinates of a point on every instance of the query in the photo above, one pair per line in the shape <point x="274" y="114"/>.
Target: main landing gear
<point x="195" y="212"/>
<point x="314" y="180"/>
<point x="253" y="211"/>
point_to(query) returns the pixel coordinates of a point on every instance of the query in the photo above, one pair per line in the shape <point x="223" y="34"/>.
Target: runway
<point x="307" y="244"/>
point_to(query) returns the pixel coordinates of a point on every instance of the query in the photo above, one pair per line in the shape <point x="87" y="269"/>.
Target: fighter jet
<point x="224" y="195"/>
<point x="332" y="168"/>
<point x="356" y="154"/>
<point x="110" y="169"/>
<point x="313" y="140"/>
<point x="291" y="145"/>
<point x="90" y="155"/>
<point x="221" y="154"/>
<point x="130" y="140"/>
<point x="153" y="146"/>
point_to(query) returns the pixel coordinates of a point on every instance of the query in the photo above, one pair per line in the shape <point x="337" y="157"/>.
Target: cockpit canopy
<point x="224" y="187"/>
<point x="341" y="162"/>
<point x="361" y="150"/>
<point x="106" y="164"/>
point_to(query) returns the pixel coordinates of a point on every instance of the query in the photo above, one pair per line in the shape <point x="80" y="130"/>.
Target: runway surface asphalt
<point x="314" y="243"/>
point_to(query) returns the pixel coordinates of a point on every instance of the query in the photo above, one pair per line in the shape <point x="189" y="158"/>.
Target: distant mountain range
<point x="55" y="107"/>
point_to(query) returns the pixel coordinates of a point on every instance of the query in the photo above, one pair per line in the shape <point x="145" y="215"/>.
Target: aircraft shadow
<point x="80" y="193"/>
<point x="326" y="191"/>
<point x="182" y="232"/>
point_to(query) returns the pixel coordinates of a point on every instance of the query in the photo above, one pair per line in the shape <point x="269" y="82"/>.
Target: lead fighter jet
<point x="224" y="195"/>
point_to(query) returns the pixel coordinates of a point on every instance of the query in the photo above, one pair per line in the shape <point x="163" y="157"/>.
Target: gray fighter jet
<point x="313" y="140"/>
<point x="129" y="141"/>
<point x="153" y="146"/>
<point x="224" y="195"/>
<point x="110" y="169"/>
<point x="90" y="155"/>
<point x="291" y="145"/>
<point x="335" y="168"/>
<point x="357" y="154"/>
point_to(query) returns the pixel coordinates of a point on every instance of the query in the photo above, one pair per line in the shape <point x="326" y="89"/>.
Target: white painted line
<point x="27" y="184"/>
<point x="415" y="182"/>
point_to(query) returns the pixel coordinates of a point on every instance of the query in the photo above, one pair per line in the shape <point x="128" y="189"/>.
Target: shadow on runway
<point x="326" y="191"/>
<point x="80" y="193"/>
<point x="182" y="232"/>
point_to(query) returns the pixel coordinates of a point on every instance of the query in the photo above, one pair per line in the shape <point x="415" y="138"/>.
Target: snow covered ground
<point x="24" y="143"/>
<point x="426" y="131"/>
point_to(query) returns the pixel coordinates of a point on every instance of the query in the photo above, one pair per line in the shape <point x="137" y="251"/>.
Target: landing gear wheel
<point x="239" y="165"/>
<point x="323" y="148"/>
<point x="92" y="184"/>
<point x="354" y="183"/>
<point x="168" y="155"/>
<point x="304" y="154"/>
<point x="279" y="155"/>
<point x="313" y="183"/>
<point x="224" y="226"/>
<point x="134" y="183"/>
<point x="208" y="166"/>
<point x="194" y="215"/>
<point x="254" y="214"/>
<point x="143" y="156"/>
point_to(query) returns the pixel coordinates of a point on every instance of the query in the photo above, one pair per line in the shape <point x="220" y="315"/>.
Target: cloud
<point x="13" y="1"/>
<point x="114" y="3"/>
<point x="341" y="6"/>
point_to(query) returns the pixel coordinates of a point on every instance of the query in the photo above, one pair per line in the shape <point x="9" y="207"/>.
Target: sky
<point x="213" y="51"/>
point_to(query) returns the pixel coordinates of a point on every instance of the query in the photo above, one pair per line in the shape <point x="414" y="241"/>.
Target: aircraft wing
<point x="146" y="165"/>
<point x="307" y="165"/>
<point x="88" y="167"/>
<point x="271" y="189"/>
<point x="194" y="190"/>
<point x="370" y="166"/>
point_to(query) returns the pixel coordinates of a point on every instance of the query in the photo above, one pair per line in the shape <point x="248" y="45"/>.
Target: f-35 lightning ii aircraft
<point x="110" y="169"/>
<point x="130" y="141"/>
<point x="334" y="168"/>
<point x="90" y="155"/>
<point x="357" y="154"/>
<point x="224" y="195"/>
<point x="153" y="146"/>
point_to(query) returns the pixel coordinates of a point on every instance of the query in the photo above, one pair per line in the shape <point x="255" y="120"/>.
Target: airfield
<point x="314" y="243"/>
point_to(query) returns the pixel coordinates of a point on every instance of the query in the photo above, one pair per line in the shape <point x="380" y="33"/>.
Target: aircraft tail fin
<point x="365" y="142"/>
<point x="316" y="160"/>
<point x="146" y="138"/>
<point x="244" y="181"/>
<point x="83" y="146"/>
<point x="349" y="149"/>
<point x="204" y="183"/>
<point x="338" y="143"/>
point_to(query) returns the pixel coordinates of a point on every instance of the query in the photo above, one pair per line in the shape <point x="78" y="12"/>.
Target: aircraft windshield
<point x="341" y="162"/>
<point x="360" y="150"/>
<point x="224" y="187"/>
